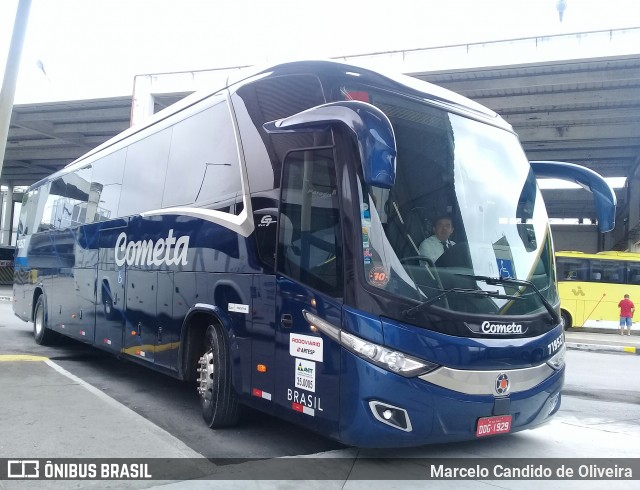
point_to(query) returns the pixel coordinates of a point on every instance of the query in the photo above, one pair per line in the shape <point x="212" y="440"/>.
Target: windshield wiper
<point x="501" y="281"/>
<point x="475" y="292"/>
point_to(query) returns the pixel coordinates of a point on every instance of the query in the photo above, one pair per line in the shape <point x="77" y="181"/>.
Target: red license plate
<point x="488" y="426"/>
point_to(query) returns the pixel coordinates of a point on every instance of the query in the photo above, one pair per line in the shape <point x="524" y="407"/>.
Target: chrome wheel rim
<point x="39" y="321"/>
<point x="205" y="379"/>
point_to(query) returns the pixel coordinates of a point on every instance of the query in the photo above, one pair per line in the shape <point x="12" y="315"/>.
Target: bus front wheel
<point x="566" y="320"/>
<point x="218" y="399"/>
<point x="41" y="333"/>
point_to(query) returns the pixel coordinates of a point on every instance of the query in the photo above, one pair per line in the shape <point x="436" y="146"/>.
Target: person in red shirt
<point x="626" y="314"/>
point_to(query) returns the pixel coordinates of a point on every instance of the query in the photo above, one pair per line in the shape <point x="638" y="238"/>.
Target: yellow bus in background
<point x="592" y="285"/>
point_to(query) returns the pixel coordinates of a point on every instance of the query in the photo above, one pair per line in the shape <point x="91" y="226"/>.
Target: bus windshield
<point x="465" y="204"/>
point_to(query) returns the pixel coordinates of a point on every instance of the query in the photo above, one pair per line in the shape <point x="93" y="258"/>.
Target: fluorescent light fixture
<point x="614" y="182"/>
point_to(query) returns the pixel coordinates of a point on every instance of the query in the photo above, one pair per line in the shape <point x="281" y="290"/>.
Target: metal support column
<point x="8" y="90"/>
<point x="6" y="213"/>
<point x="634" y="214"/>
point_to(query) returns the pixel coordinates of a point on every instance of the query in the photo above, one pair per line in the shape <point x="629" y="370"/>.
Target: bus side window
<point x="203" y="162"/>
<point x="309" y="241"/>
<point x="572" y="270"/>
<point x="267" y="100"/>
<point x="54" y="193"/>
<point x="106" y="186"/>
<point x="611" y="271"/>
<point x="76" y="201"/>
<point x="141" y="189"/>
<point x="28" y="213"/>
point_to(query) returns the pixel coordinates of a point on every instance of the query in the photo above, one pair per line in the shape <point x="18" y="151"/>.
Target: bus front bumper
<point x="394" y="411"/>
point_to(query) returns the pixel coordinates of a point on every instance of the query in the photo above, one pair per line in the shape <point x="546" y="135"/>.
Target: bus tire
<point x="566" y="320"/>
<point x="218" y="399"/>
<point x="41" y="333"/>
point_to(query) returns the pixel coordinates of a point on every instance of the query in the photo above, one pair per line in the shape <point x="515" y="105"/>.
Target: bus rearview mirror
<point x="603" y="195"/>
<point x="370" y="126"/>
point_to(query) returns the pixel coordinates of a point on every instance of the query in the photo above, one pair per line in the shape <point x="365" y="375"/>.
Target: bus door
<point x="60" y="287"/>
<point x="141" y="287"/>
<point x="263" y="299"/>
<point x="309" y="278"/>
<point x="167" y="333"/>
<point x="110" y="291"/>
<point x="149" y="333"/>
<point x="141" y="327"/>
<point x="81" y="321"/>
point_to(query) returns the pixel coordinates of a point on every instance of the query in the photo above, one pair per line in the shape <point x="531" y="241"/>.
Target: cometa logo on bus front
<point x="169" y="251"/>
<point x="500" y="328"/>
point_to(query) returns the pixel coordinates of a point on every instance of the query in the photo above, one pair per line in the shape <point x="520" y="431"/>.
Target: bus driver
<point x="434" y="246"/>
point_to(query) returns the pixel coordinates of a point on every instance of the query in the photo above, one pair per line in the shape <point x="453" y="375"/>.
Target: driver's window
<point x="309" y="241"/>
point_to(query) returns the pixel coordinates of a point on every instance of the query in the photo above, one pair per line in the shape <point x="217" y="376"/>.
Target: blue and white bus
<point x="262" y="241"/>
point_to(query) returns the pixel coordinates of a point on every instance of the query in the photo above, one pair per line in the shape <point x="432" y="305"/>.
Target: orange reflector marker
<point x="261" y="368"/>
<point x="133" y="332"/>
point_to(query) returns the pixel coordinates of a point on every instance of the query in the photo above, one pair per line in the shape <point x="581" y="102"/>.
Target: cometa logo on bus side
<point x="169" y="251"/>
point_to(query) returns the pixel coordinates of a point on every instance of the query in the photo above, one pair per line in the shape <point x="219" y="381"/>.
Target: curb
<point x="634" y="330"/>
<point x="603" y="348"/>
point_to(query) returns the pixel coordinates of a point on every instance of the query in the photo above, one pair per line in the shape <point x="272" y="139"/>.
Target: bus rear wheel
<point x="218" y="399"/>
<point x="41" y="333"/>
<point x="566" y="320"/>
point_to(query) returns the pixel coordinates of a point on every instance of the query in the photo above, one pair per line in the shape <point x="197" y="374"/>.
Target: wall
<point x="581" y="238"/>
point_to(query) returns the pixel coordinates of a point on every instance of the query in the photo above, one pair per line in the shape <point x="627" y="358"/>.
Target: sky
<point x="94" y="48"/>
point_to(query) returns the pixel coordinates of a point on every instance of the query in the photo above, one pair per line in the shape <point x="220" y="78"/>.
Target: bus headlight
<point x="391" y="360"/>
<point x="557" y="360"/>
